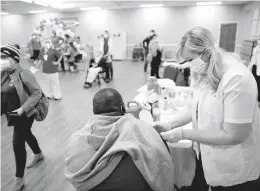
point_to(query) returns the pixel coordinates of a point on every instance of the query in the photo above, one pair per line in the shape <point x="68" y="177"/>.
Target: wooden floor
<point x="65" y="117"/>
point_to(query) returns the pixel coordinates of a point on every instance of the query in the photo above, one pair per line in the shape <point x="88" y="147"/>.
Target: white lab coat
<point x="234" y="102"/>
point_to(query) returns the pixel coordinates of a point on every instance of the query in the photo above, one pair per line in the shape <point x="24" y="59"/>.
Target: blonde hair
<point x="200" y="40"/>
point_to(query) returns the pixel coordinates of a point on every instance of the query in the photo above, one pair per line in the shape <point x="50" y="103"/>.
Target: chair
<point x="125" y="177"/>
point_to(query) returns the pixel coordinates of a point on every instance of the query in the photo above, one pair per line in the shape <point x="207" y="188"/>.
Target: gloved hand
<point x="174" y="135"/>
<point x="162" y="126"/>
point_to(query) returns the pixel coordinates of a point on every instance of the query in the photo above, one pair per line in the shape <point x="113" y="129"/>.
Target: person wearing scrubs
<point x="225" y="117"/>
<point x="254" y="66"/>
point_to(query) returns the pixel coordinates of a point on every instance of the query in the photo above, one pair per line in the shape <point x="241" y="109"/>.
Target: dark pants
<point x="199" y="183"/>
<point x="22" y="133"/>
<point x="108" y="70"/>
<point x="62" y="65"/>
<point x="36" y="54"/>
<point x="257" y="78"/>
<point x="155" y="65"/>
<point x="145" y="62"/>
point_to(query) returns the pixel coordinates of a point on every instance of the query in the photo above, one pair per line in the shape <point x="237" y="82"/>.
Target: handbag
<point x="42" y="107"/>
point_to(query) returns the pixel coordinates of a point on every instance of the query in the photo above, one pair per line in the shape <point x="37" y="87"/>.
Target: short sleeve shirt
<point x="235" y="102"/>
<point x="240" y="95"/>
<point x="52" y="55"/>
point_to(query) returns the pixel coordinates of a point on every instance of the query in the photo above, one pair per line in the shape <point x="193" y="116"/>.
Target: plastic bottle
<point x="165" y="98"/>
<point x="152" y="84"/>
<point x="153" y="92"/>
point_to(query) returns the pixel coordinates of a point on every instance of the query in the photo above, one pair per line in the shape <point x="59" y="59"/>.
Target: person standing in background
<point x="155" y="55"/>
<point x="254" y="66"/>
<point x="49" y="57"/>
<point x="62" y="50"/>
<point x="55" y="40"/>
<point x="106" y="48"/>
<point x="18" y="106"/>
<point x="146" y="42"/>
<point x="35" y="45"/>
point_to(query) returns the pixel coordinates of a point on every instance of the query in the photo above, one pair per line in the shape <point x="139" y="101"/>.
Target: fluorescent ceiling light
<point x="90" y="9"/>
<point x="208" y="3"/>
<point x="4" y="13"/>
<point x="38" y="11"/>
<point x="63" y="5"/>
<point x="151" y="5"/>
<point x="27" y="1"/>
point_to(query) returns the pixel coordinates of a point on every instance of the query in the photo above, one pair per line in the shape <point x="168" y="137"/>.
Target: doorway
<point x="227" y="39"/>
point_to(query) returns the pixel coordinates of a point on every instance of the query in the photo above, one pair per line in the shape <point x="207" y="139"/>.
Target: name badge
<point x="45" y="57"/>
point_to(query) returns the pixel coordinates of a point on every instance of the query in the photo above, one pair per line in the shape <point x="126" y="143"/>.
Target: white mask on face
<point x="47" y="46"/>
<point x="4" y="65"/>
<point x="198" y="65"/>
<point x="105" y="36"/>
<point x="34" y="36"/>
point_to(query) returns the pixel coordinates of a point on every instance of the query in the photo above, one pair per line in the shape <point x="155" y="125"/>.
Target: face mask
<point x="151" y="34"/>
<point x="198" y="65"/>
<point x="4" y="65"/>
<point x="34" y="36"/>
<point x="105" y="36"/>
<point x="48" y="46"/>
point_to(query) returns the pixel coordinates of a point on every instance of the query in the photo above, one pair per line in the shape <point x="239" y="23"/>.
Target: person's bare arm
<point x="232" y="134"/>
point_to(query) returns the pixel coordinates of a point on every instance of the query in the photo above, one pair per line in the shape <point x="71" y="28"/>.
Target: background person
<point x="225" y="116"/>
<point x="155" y="55"/>
<point x="254" y="66"/>
<point x="49" y="57"/>
<point x="55" y="40"/>
<point x="106" y="48"/>
<point x="146" y="42"/>
<point x="18" y="107"/>
<point x="35" y="45"/>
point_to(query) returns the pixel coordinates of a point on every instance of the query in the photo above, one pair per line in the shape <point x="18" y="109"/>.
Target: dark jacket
<point x="146" y="43"/>
<point x="28" y="79"/>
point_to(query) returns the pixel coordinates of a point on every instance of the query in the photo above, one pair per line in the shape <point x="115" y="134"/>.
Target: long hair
<point x="200" y="40"/>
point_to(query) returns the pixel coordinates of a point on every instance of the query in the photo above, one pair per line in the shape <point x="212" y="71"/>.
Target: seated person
<point x="95" y="67"/>
<point x="71" y="53"/>
<point x="116" y="151"/>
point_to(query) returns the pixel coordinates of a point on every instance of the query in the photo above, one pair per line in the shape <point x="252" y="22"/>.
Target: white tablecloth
<point x="182" y="153"/>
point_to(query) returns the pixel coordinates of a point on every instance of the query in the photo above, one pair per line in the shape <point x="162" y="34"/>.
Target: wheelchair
<point x="106" y="67"/>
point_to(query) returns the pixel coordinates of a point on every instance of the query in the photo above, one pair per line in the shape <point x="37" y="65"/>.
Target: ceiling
<point x="23" y="6"/>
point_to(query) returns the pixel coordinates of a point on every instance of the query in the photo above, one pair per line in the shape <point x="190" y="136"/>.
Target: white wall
<point x="169" y="23"/>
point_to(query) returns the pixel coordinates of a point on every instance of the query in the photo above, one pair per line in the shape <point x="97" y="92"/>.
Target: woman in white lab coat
<point x="254" y="66"/>
<point x="225" y="117"/>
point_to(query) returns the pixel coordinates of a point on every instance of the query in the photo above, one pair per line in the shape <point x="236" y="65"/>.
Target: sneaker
<point x="18" y="184"/>
<point x="35" y="160"/>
